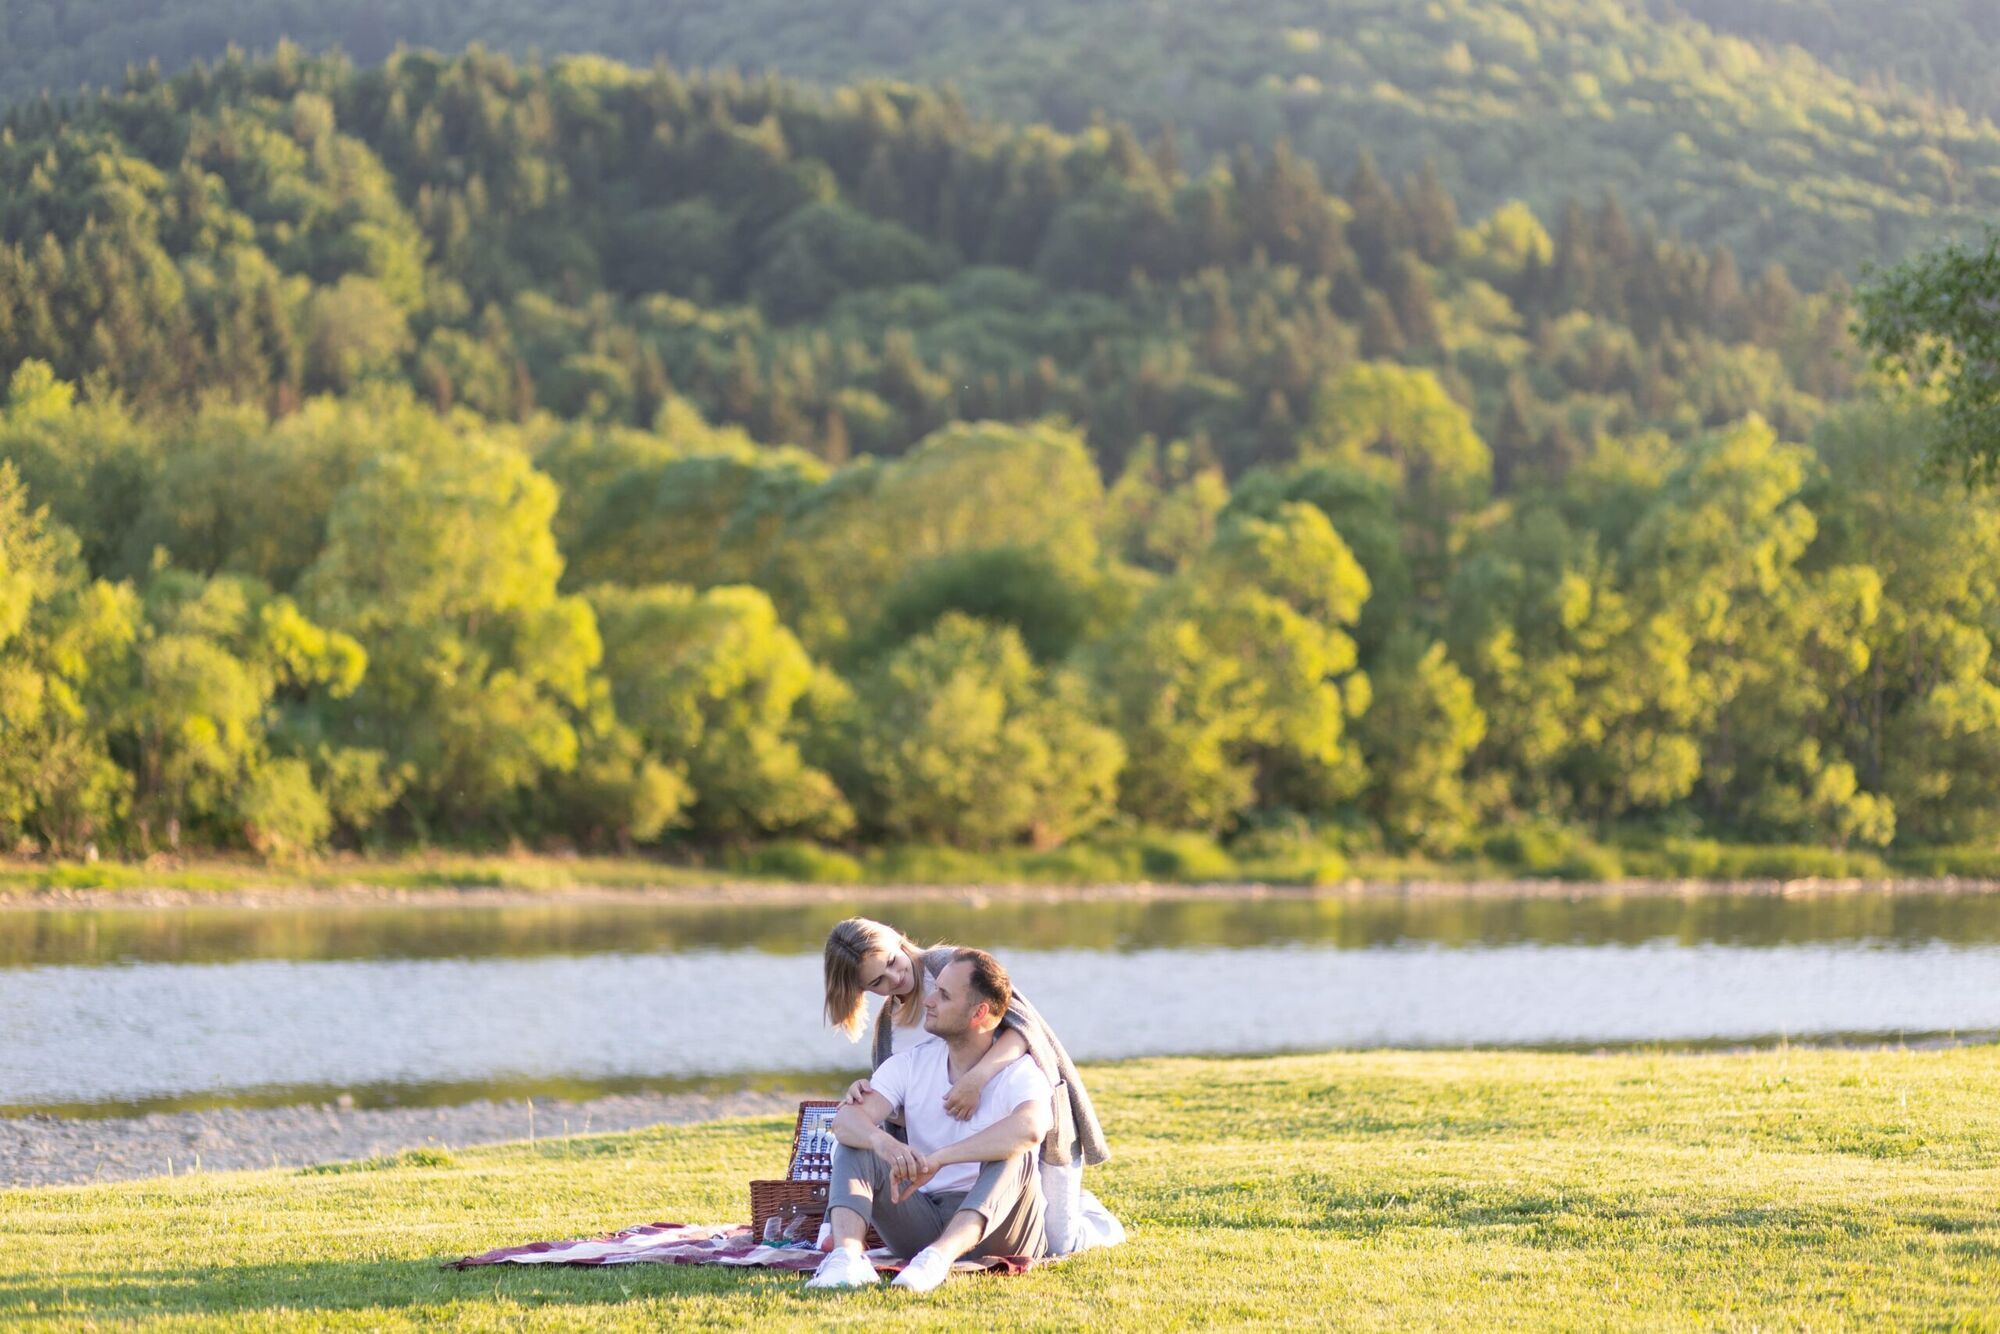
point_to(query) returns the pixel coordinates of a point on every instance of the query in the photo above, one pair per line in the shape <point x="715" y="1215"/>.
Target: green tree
<point x="1161" y="512"/>
<point x="824" y="250"/>
<point x="353" y="331"/>
<point x="1920" y="719"/>
<point x="1239" y="676"/>
<point x="439" y="559"/>
<point x="701" y="519"/>
<point x="1397" y="425"/>
<point x="957" y="736"/>
<point x="283" y="812"/>
<point x="1052" y="602"/>
<point x="1362" y="508"/>
<point x="1931" y="322"/>
<point x="970" y="486"/>
<point x="1587" y="688"/>
<point x="1397" y="422"/>
<point x="713" y="684"/>
<point x="219" y="663"/>
<point x="61" y="637"/>
<point x="241" y="493"/>
<point x="90" y="464"/>
<point x="1421" y="726"/>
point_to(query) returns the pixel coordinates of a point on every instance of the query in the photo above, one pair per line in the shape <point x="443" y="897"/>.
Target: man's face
<point x="949" y="1009"/>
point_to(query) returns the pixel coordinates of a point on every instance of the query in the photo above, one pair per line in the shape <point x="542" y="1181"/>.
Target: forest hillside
<point x="467" y="449"/>
<point x="1816" y="132"/>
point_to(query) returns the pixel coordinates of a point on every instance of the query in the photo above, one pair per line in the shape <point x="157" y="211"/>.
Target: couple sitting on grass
<point x="970" y="1138"/>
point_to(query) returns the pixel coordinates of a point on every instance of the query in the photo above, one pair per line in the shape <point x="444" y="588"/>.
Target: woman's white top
<point x="901" y="1038"/>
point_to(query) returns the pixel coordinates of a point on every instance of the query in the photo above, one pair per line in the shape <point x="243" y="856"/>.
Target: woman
<point x="865" y="958"/>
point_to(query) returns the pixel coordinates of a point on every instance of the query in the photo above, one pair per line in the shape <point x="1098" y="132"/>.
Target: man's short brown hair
<point x="989" y="980"/>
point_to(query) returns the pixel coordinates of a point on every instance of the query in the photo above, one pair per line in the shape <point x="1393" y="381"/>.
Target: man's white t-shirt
<point x="915" y="1082"/>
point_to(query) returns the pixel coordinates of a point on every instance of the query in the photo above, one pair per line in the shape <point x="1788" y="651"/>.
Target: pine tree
<point x="1165" y="150"/>
<point x="743" y="389"/>
<point x="1348" y="295"/>
<point x="1722" y="297"/>
<point x="1773" y="302"/>
<point x="1410" y="296"/>
<point x="1378" y="229"/>
<point x="880" y="192"/>
<point x="1433" y="215"/>
<point x="1513" y="437"/>
<point x="1573" y="284"/>
<point x="1381" y="336"/>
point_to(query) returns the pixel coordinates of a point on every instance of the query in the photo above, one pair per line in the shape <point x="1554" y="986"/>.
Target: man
<point x="956" y="1188"/>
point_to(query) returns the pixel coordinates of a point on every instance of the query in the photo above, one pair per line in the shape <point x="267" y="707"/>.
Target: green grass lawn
<point x="1784" y="1189"/>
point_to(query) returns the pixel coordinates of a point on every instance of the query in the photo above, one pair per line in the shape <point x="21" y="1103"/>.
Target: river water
<point x="119" y="1010"/>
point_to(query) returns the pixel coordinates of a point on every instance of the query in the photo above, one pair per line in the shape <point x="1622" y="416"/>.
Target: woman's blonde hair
<point x="847" y="945"/>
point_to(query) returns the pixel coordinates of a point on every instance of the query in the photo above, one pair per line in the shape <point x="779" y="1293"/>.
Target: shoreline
<point x="47" y="1150"/>
<point x="786" y="894"/>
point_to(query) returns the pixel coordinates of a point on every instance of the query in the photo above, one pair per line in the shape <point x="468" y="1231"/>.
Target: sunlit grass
<point x="1787" y="1189"/>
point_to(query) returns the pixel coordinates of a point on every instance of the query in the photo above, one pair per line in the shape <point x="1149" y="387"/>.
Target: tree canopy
<point x="1934" y="322"/>
<point x="461" y="449"/>
<point x="1812" y="132"/>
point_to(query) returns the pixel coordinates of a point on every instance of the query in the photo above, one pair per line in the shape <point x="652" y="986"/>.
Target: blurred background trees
<point x="468" y="450"/>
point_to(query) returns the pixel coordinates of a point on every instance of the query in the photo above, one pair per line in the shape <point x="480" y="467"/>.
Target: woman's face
<point x="886" y="974"/>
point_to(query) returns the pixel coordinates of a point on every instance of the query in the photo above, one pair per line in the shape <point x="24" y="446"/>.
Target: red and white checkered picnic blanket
<point x="695" y="1244"/>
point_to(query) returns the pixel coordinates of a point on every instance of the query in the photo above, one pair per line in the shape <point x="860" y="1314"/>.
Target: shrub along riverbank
<point x="1385" y="1190"/>
<point x="1279" y="857"/>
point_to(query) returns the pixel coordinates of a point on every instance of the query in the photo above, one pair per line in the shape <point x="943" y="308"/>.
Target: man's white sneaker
<point x="843" y="1268"/>
<point x="926" y="1269"/>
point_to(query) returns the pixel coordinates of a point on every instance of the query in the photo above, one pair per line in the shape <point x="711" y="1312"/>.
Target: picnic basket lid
<point x="812" y="1141"/>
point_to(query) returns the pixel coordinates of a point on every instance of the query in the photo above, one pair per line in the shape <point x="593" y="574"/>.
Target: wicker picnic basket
<point x="768" y="1198"/>
<point x="804" y="1186"/>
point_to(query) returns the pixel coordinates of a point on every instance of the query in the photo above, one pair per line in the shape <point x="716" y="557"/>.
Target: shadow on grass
<point x="1313" y="1203"/>
<point x="1795" y="1226"/>
<point x="1558" y="1219"/>
<point x="358" y="1285"/>
<point x="1965" y="1222"/>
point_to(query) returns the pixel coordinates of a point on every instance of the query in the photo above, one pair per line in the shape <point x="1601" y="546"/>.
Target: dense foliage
<point x="844" y="274"/>
<point x="1728" y="134"/>
<point x="1947" y="51"/>
<point x="463" y="450"/>
<point x="1934" y="323"/>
